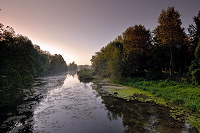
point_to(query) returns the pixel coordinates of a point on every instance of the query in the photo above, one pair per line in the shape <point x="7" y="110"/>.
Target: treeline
<point x="167" y="51"/>
<point x="73" y="66"/>
<point x="47" y="64"/>
<point x="20" y="62"/>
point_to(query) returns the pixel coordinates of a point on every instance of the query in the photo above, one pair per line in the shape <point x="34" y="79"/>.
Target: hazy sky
<point x="77" y="29"/>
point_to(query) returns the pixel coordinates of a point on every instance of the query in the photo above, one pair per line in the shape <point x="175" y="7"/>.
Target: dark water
<point x="61" y="104"/>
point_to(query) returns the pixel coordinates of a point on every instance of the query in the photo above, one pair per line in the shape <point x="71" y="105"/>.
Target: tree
<point x="170" y="33"/>
<point x="136" y="46"/>
<point x="73" y="66"/>
<point x="16" y="67"/>
<point x="20" y="62"/>
<point x="195" y="35"/>
<point x="107" y="62"/>
<point x="115" y="59"/>
<point x="126" y="56"/>
<point x="56" y="64"/>
<point x="195" y="66"/>
<point x="41" y="61"/>
<point x="194" y="30"/>
<point x="100" y="61"/>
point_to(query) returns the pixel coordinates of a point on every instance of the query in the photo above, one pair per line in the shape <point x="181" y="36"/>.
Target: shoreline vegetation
<point x="85" y="75"/>
<point x="164" y="63"/>
<point x="183" y="99"/>
<point x="161" y="66"/>
<point x="20" y="63"/>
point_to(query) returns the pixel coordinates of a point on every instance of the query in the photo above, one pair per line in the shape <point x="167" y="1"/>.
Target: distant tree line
<point x="80" y="67"/>
<point x="20" y="62"/>
<point x="46" y="64"/>
<point x="167" y="51"/>
<point x="73" y="66"/>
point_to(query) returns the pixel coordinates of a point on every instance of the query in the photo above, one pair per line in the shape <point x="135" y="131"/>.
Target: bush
<point x="85" y="75"/>
<point x="196" y="76"/>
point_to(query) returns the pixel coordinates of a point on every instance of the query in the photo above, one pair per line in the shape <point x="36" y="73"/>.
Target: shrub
<point x="85" y="75"/>
<point x="196" y="76"/>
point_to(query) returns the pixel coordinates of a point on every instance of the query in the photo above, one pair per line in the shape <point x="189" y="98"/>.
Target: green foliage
<point x="195" y="67"/>
<point x="46" y="64"/>
<point x="131" y="93"/>
<point x="20" y="62"/>
<point x="194" y="30"/>
<point x="195" y="72"/>
<point x="107" y="62"/>
<point x="169" y="30"/>
<point x="16" y="69"/>
<point x="170" y="33"/>
<point x="136" y="53"/>
<point x="135" y="59"/>
<point x="195" y="35"/>
<point x="56" y="64"/>
<point x="178" y="96"/>
<point x="115" y="61"/>
<point x="175" y="92"/>
<point x="126" y="56"/>
<point x="85" y="75"/>
<point x="137" y="43"/>
<point x="41" y="61"/>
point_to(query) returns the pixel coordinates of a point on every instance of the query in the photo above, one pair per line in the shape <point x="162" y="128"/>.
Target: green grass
<point x="183" y="97"/>
<point x="135" y="94"/>
<point x="178" y="93"/>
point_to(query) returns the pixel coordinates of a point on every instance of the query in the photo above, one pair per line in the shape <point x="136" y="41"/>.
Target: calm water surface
<point x="61" y="104"/>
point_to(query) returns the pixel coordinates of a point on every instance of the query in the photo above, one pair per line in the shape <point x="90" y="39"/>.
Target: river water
<point x="62" y="104"/>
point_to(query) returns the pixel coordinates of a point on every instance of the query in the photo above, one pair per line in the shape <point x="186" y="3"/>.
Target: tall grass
<point x="175" y="92"/>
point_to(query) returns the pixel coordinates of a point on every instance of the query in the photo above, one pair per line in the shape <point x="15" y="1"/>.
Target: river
<point x="62" y="104"/>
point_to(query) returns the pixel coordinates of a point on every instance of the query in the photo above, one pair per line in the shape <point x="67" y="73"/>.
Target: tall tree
<point x="194" y="30"/>
<point x="136" y="45"/>
<point x="115" y="60"/>
<point x="170" y="33"/>
<point x="100" y="61"/>
<point x="195" y="35"/>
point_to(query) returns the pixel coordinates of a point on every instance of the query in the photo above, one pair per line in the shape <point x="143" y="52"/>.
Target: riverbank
<point x="182" y="98"/>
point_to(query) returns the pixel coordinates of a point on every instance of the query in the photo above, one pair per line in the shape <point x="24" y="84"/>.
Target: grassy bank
<point x="182" y="98"/>
<point x="178" y="93"/>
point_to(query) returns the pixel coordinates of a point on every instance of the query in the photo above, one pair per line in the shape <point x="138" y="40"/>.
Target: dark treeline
<point x="20" y="62"/>
<point x="46" y="64"/>
<point x="165" y="52"/>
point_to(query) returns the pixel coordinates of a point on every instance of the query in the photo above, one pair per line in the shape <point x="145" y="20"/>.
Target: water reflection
<point x="20" y="118"/>
<point x="141" y="117"/>
<point x="74" y="107"/>
<point x="72" y="72"/>
<point x="62" y="104"/>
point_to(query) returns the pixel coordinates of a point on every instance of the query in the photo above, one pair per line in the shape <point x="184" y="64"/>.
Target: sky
<point x="77" y="29"/>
